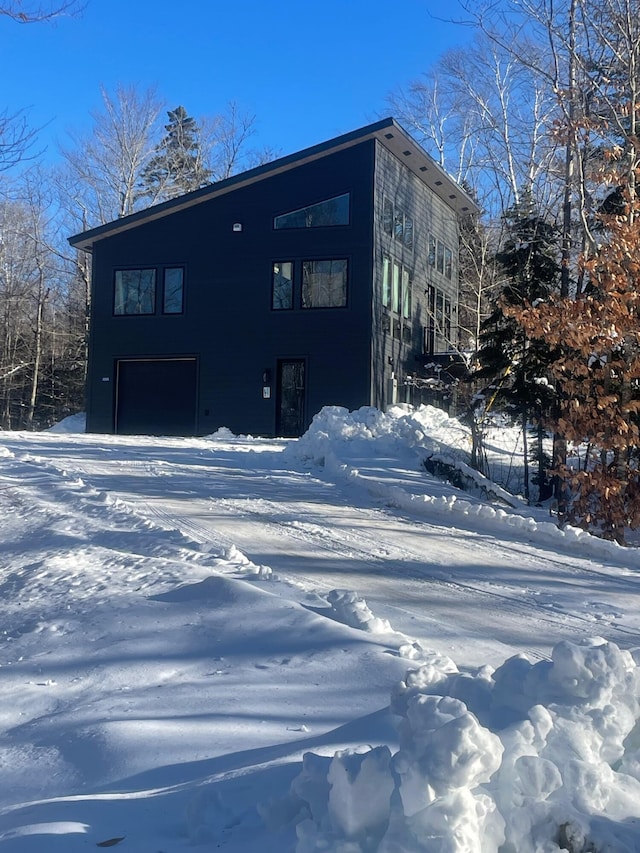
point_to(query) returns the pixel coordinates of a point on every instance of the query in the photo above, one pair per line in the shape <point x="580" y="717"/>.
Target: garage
<point x="156" y="396"/>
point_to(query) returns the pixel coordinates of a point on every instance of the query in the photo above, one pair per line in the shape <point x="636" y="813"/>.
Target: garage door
<point x="156" y="396"/>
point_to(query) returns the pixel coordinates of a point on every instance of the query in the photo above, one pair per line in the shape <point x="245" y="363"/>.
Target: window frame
<point x="303" y="283"/>
<point x="289" y="307"/>
<point x="386" y="281"/>
<point x="123" y="300"/>
<point x="305" y="211"/>
<point x="165" y="270"/>
<point x="448" y="263"/>
<point x="406" y="296"/>
<point x="396" y="287"/>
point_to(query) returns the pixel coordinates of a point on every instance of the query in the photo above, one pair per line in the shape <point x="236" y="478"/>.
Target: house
<point x="321" y="278"/>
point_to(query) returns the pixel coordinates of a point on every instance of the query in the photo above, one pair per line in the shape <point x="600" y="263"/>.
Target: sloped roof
<point x="387" y="131"/>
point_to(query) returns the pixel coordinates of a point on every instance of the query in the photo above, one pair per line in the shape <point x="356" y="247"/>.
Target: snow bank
<point x="532" y="758"/>
<point x="347" y="443"/>
<point x="74" y="423"/>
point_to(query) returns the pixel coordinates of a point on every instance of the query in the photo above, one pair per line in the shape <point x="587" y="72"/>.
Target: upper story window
<point x="397" y="223"/>
<point x="324" y="284"/>
<point x="332" y="211"/>
<point x="282" y="285"/>
<point x="437" y="334"/>
<point x="396" y="287"/>
<point x="406" y="295"/>
<point x="386" y="281"/>
<point x="441" y="257"/>
<point x="135" y="291"/>
<point x="173" y="290"/>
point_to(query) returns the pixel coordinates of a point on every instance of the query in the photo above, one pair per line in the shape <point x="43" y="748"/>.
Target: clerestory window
<point x="330" y="212"/>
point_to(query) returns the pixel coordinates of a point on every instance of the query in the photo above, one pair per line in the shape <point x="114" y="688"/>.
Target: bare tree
<point x="484" y="117"/>
<point x="16" y="137"/>
<point x="30" y="13"/>
<point x="106" y="164"/>
<point x="225" y="140"/>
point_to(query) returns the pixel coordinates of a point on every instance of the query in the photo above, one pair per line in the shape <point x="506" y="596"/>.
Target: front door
<point x="290" y="418"/>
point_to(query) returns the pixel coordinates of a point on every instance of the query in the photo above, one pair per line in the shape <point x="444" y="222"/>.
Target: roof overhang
<point x="388" y="132"/>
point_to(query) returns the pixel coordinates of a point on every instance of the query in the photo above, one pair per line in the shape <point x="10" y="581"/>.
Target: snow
<point x="307" y="645"/>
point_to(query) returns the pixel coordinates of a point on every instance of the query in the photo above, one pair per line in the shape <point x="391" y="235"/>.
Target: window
<point x="324" y="284"/>
<point x="408" y="232"/>
<point x="440" y="257"/>
<point x="386" y="282"/>
<point x="447" y="322"/>
<point x="406" y="295"/>
<point x="448" y="262"/>
<point x="282" y="286"/>
<point x="135" y="292"/>
<point x="395" y="289"/>
<point x="387" y="217"/>
<point x="396" y="223"/>
<point x="333" y="211"/>
<point x="432" y="250"/>
<point x="173" y="290"/>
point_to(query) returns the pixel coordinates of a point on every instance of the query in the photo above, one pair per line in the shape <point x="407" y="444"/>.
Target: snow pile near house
<point x="346" y="444"/>
<point x="71" y="424"/>
<point x="531" y="758"/>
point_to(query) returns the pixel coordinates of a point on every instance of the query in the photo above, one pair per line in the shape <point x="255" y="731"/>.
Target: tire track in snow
<point x="358" y="548"/>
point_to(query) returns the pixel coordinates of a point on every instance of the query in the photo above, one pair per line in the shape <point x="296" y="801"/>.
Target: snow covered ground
<point x="266" y="645"/>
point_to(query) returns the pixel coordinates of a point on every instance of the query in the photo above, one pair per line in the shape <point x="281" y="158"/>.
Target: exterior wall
<point x="401" y="346"/>
<point x="228" y="324"/>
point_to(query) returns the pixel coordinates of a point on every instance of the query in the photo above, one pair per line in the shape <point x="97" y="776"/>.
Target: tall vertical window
<point x="386" y="282"/>
<point x="447" y="322"/>
<point x="406" y="294"/>
<point x="135" y="292"/>
<point x="395" y="289"/>
<point x="387" y="216"/>
<point x="408" y="232"/>
<point x="173" y="290"/>
<point x="440" y="257"/>
<point x="448" y="263"/>
<point x="398" y="225"/>
<point x="432" y="250"/>
<point x="324" y="284"/>
<point x="282" y="285"/>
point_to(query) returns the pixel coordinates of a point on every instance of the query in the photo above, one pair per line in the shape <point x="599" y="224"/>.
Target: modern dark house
<point x="327" y="277"/>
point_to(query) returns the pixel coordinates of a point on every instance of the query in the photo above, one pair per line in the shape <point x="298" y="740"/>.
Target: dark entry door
<point x="291" y="398"/>
<point x="156" y="396"/>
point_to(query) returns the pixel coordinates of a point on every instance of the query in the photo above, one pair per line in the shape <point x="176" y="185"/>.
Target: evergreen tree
<point x="177" y="166"/>
<point x="514" y="363"/>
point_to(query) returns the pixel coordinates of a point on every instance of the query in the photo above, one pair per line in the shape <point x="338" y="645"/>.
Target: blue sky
<point x="307" y="69"/>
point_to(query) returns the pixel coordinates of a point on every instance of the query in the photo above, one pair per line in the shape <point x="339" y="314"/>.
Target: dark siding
<point x="228" y="324"/>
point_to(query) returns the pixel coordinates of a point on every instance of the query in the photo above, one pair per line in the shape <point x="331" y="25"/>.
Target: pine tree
<point x="515" y="363"/>
<point x="177" y="166"/>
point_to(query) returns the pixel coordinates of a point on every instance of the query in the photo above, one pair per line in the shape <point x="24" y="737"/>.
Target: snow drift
<point x="522" y="759"/>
